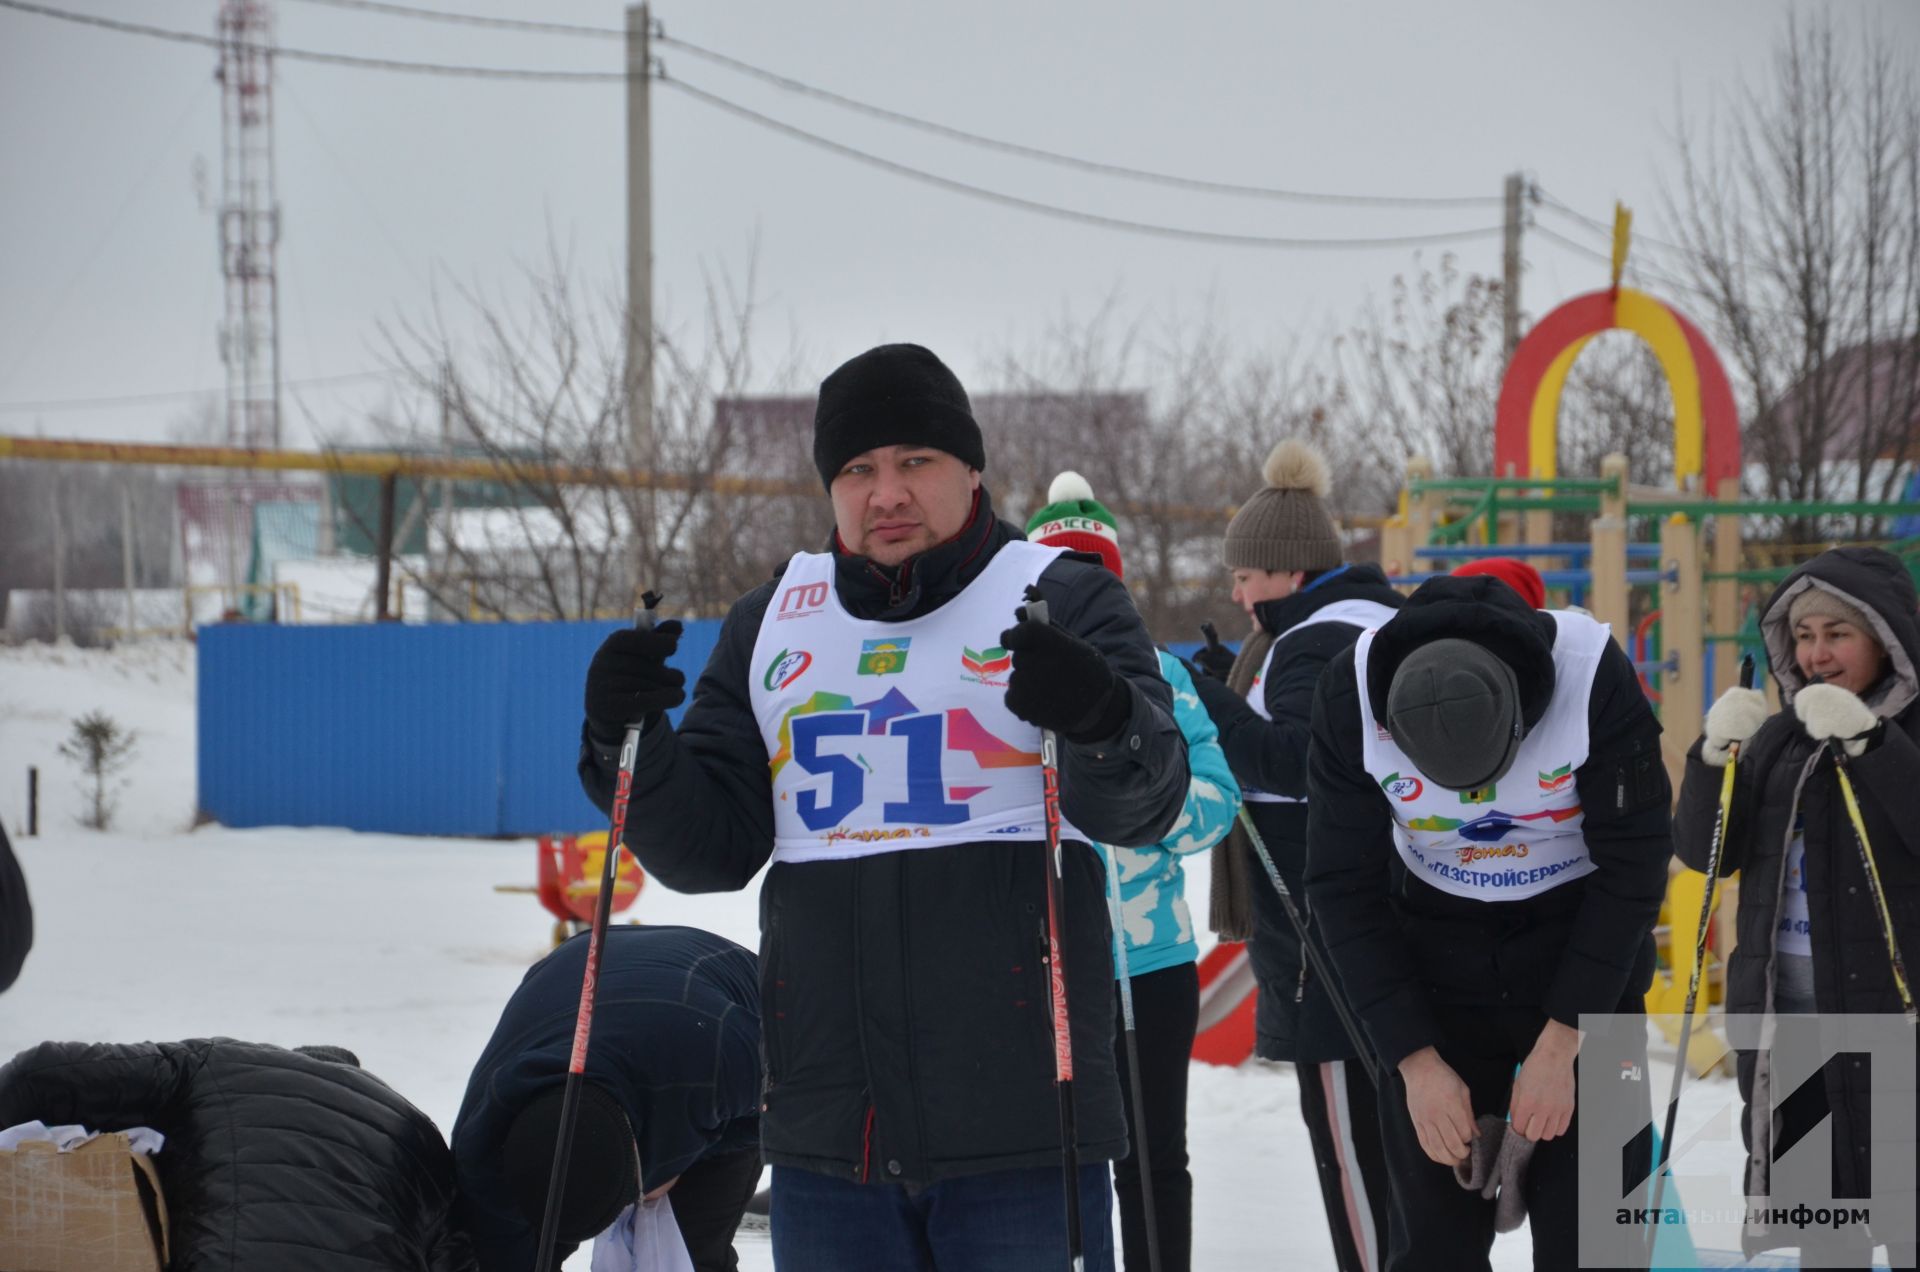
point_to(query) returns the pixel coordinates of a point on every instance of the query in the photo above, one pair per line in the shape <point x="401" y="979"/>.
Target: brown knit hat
<point x="1286" y="526"/>
<point x="1818" y="600"/>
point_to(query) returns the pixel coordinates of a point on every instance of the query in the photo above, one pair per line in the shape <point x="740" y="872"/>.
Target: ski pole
<point x="1035" y="611"/>
<point x="1335" y="994"/>
<point x="1715" y="847"/>
<point x="1133" y="1066"/>
<point x="596" y="947"/>
<point x="1873" y="880"/>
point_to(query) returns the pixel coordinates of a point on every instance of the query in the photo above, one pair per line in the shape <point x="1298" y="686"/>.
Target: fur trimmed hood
<point x="1873" y="581"/>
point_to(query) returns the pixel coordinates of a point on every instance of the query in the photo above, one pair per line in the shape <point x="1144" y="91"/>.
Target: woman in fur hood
<point x="1844" y="645"/>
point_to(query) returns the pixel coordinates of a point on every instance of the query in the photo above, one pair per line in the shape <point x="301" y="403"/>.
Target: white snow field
<point x="401" y="949"/>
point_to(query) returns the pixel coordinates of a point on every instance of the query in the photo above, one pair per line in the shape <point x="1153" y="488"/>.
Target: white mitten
<point x="1828" y="711"/>
<point x="1736" y="717"/>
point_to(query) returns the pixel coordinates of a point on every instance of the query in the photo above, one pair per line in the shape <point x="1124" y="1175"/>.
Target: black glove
<point x="1215" y="659"/>
<point x="1060" y="682"/>
<point x="629" y="679"/>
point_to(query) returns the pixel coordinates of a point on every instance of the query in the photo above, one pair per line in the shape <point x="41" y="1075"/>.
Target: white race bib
<point x="885" y="737"/>
<point x="1521" y="836"/>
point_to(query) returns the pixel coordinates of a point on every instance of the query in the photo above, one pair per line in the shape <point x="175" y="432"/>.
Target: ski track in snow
<point x="400" y="949"/>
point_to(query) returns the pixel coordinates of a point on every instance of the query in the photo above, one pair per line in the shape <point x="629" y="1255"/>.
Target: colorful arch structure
<point x="1706" y="424"/>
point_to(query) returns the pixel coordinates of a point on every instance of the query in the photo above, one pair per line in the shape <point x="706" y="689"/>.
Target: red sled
<point x="1228" y="997"/>
<point x="570" y="867"/>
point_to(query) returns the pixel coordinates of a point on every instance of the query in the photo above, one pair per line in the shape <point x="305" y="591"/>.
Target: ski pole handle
<point x="643" y="617"/>
<point x="1746" y="672"/>
<point x="1035" y="610"/>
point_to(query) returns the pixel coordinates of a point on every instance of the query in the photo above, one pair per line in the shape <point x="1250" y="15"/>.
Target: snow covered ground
<point x="401" y="950"/>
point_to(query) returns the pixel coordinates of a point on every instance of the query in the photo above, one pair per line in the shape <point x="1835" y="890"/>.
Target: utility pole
<point x="59" y="560"/>
<point x="1510" y="261"/>
<point x="126" y="549"/>
<point x="639" y="233"/>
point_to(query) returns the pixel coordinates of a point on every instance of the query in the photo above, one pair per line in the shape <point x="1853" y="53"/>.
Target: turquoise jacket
<point x="1153" y="906"/>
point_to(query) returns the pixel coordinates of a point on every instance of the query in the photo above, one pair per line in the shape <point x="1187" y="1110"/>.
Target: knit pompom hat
<point x="1074" y="519"/>
<point x="1286" y="525"/>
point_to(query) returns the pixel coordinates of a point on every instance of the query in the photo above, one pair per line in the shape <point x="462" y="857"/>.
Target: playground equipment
<point x="1663" y="568"/>
<point x="568" y="874"/>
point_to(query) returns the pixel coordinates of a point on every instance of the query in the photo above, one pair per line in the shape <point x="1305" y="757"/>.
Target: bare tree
<point x="544" y="388"/>
<point x="1423" y="376"/>
<point x="1799" y="211"/>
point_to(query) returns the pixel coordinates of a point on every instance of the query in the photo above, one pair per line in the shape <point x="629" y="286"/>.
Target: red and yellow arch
<point x="1706" y="426"/>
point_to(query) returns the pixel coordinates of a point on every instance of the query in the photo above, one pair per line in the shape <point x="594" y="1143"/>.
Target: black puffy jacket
<point x="676" y="1040"/>
<point x="16" y="915"/>
<point x="1780" y="773"/>
<point x="905" y="1006"/>
<point x="1294" y="1019"/>
<point x="275" y="1160"/>
<point x="1401" y="945"/>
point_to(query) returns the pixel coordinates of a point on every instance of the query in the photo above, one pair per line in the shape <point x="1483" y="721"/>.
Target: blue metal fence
<point x="457" y="729"/>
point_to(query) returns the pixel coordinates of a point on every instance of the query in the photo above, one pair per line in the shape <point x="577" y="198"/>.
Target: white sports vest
<point x="1358" y="613"/>
<point x="1521" y="836"/>
<point x="890" y="736"/>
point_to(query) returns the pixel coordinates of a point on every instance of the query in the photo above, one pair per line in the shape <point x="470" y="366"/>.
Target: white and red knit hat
<point x="1074" y="519"/>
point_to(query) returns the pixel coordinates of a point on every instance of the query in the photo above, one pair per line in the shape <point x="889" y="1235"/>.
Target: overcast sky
<point x="392" y="184"/>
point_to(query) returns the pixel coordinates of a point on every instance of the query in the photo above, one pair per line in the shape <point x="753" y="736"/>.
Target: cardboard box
<point x="96" y="1209"/>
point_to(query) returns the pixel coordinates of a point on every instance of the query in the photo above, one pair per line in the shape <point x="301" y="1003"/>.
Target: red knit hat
<point x="1516" y="574"/>
<point x="1074" y="519"/>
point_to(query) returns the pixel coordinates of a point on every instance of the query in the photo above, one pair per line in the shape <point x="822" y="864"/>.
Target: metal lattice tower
<point x="249" y="225"/>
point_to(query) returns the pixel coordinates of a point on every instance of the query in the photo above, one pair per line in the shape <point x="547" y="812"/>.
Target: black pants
<point x="707" y="1205"/>
<point x="1439" y="1225"/>
<point x="1166" y="1012"/>
<point x="1342" y="1112"/>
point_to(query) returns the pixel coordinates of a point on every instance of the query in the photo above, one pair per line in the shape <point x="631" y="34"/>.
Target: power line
<point x="1070" y="214"/>
<point x="312" y="55"/>
<point x="787" y="83"/>
<point x="470" y="19"/>
<point x="1554" y="205"/>
<point x="792" y="85"/>
<point x="1573" y="245"/>
<point x="174" y="395"/>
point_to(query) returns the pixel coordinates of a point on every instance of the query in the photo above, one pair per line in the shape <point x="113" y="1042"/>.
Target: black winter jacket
<point x="1400" y="945"/>
<point x="676" y="1040"/>
<point x="275" y="1160"/>
<point x="1294" y="1019"/>
<point x="1780" y="773"/>
<point x="16" y="915"/>
<point x="907" y="1028"/>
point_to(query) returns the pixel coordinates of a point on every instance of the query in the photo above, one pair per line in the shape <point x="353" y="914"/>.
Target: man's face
<point x="894" y="502"/>
<point x="1250" y="587"/>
